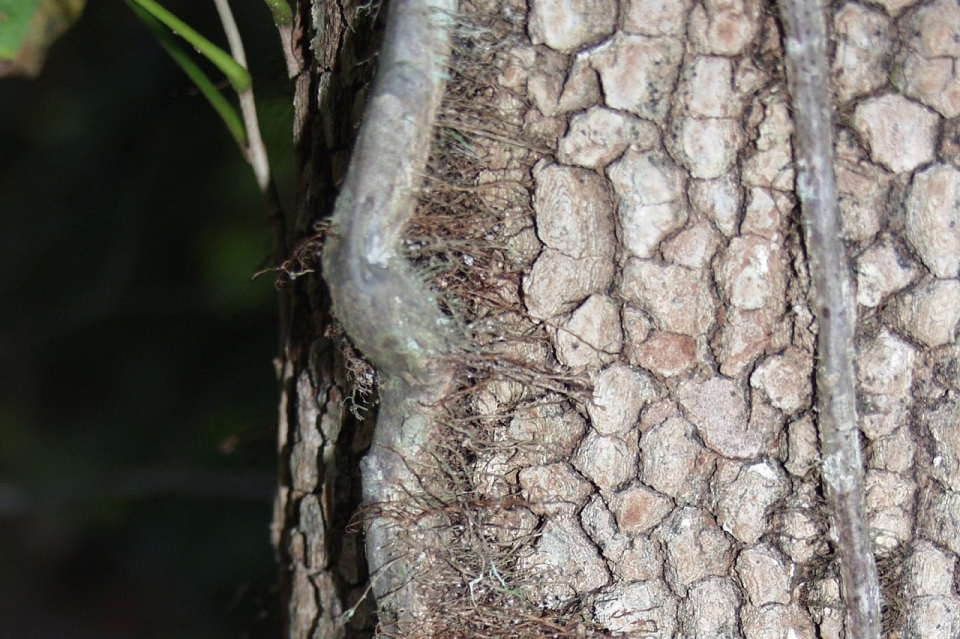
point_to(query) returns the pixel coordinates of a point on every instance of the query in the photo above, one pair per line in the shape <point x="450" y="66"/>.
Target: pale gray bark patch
<point x="864" y="45"/>
<point x="930" y="313"/>
<point x="927" y="62"/>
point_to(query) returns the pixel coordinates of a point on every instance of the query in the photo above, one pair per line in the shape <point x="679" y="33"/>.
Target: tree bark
<point x="325" y="425"/>
<point x="621" y="413"/>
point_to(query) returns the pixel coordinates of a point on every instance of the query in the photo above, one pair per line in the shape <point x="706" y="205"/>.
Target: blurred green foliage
<point x="27" y="30"/>
<point x="137" y="392"/>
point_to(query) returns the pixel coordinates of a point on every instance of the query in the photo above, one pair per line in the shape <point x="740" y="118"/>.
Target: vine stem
<point x="383" y="303"/>
<point x="832" y="299"/>
<point x="256" y="151"/>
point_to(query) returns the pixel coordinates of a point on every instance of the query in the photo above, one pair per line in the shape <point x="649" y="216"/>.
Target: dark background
<point x="137" y="391"/>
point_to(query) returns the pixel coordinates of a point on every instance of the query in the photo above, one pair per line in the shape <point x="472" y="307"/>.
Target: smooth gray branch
<point x="832" y="301"/>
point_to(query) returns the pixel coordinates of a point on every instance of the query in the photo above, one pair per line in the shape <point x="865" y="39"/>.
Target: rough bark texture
<point x="323" y="572"/>
<point x="610" y="205"/>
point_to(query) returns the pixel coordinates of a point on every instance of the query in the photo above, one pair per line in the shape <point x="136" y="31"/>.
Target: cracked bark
<point x="657" y="254"/>
<point x="322" y="568"/>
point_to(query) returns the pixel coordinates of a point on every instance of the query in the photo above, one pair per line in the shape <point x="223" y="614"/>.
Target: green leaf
<point x="220" y="104"/>
<point x="28" y="28"/>
<point x="238" y="76"/>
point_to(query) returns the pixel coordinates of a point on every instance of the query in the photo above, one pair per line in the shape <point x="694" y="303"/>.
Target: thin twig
<point x="832" y="301"/>
<point x="256" y="151"/>
<point x="284" y="21"/>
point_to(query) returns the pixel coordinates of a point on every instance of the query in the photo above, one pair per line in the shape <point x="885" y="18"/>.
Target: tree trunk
<point x="324" y="425"/>
<point x="617" y="426"/>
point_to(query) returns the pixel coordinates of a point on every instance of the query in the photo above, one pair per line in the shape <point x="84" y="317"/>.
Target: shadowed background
<point x="137" y="394"/>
